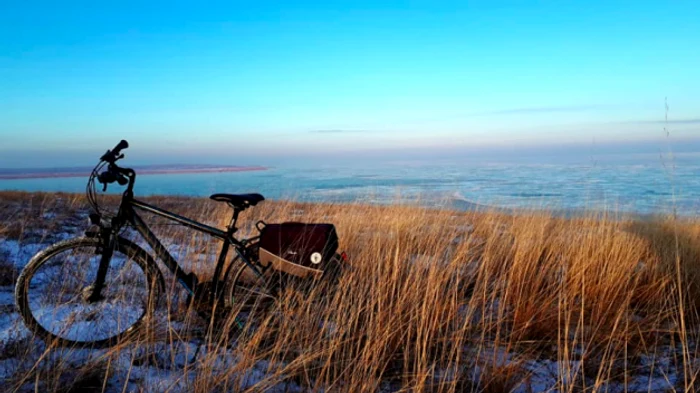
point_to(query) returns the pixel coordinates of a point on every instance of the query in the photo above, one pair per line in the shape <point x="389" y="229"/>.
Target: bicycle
<point x="104" y="272"/>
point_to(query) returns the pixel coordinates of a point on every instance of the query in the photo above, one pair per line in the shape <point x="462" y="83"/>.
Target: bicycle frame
<point x="189" y="281"/>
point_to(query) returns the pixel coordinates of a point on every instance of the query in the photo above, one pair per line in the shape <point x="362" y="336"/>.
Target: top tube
<point x="184" y="221"/>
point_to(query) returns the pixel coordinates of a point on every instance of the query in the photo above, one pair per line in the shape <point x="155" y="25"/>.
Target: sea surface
<point x="625" y="188"/>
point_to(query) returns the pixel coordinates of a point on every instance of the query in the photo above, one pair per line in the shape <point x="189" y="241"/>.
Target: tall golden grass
<point x="435" y="301"/>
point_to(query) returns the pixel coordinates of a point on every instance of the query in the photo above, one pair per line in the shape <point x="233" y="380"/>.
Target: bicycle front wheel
<point x="53" y="293"/>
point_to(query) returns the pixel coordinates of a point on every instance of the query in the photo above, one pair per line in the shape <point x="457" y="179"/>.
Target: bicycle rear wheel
<point x="250" y="298"/>
<point x="53" y="290"/>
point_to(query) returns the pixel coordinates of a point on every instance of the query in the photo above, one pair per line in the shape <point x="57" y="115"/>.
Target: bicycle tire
<point x="154" y="285"/>
<point x="249" y="297"/>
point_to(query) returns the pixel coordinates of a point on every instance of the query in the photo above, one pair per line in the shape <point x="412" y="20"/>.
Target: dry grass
<point x="444" y="301"/>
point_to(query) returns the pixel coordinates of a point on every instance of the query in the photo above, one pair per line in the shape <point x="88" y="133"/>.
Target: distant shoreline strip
<point x="144" y="171"/>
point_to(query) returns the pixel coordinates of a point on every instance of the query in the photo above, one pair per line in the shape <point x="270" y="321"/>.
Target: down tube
<point x="187" y="281"/>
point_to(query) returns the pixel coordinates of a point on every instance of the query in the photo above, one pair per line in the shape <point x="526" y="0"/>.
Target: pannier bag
<point x="298" y="249"/>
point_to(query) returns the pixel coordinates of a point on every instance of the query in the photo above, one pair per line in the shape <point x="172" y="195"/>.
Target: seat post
<point x="232" y="225"/>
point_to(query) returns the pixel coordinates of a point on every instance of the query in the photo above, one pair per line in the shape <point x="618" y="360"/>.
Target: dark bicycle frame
<point x="128" y="215"/>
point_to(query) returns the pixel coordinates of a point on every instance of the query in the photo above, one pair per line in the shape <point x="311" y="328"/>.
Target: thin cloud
<point x="545" y="109"/>
<point x="680" y="121"/>
<point x="338" y="131"/>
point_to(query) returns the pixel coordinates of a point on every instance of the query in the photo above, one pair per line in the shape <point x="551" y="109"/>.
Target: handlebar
<point x="114" y="173"/>
<point x="113" y="155"/>
<point x="120" y="146"/>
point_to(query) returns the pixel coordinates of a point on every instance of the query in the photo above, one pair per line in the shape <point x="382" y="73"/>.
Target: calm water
<point x="624" y="188"/>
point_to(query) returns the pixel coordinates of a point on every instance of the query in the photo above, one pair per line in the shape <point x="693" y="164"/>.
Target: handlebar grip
<point x="121" y="145"/>
<point x="112" y="155"/>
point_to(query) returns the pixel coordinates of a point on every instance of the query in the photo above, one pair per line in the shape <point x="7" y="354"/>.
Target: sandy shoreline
<point x="139" y="171"/>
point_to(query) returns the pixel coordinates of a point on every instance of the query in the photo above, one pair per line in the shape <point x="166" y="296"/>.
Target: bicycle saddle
<point x="239" y="201"/>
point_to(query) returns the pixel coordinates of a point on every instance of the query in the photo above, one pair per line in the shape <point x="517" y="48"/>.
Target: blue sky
<point x="258" y="79"/>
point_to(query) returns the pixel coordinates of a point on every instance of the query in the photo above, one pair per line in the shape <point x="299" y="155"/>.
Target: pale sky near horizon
<point x="263" y="78"/>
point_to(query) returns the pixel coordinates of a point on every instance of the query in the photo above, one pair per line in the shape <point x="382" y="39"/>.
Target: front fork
<point x="105" y="250"/>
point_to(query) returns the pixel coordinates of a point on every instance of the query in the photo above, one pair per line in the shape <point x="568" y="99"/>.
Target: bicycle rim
<point x="251" y="298"/>
<point x="53" y="290"/>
